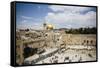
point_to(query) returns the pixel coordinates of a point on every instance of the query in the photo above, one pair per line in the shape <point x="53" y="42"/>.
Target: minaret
<point x="44" y="25"/>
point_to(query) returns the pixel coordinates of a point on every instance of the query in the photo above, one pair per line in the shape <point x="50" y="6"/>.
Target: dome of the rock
<point x="49" y="27"/>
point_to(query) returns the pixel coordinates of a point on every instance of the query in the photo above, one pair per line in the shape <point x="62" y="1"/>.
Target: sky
<point x="33" y="16"/>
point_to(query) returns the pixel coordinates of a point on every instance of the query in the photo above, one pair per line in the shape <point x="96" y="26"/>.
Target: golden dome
<point x="49" y="27"/>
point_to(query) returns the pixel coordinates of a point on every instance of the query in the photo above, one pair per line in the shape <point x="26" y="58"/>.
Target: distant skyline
<point x="34" y="15"/>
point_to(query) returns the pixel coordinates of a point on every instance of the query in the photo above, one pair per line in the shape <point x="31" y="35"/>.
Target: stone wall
<point x="79" y="39"/>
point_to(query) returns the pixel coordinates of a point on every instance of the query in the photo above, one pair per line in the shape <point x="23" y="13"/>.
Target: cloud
<point x="29" y="22"/>
<point x="72" y="9"/>
<point x="71" y="17"/>
<point x="26" y="17"/>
